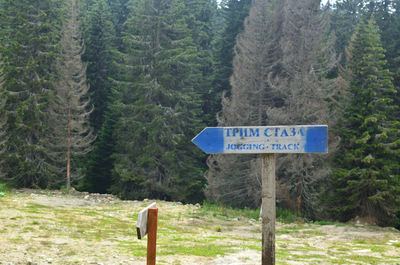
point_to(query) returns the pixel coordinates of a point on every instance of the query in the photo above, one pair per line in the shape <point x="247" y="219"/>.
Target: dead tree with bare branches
<point x="302" y="86"/>
<point x="281" y="60"/>
<point x="71" y="135"/>
<point x="3" y="119"/>
<point x="235" y="179"/>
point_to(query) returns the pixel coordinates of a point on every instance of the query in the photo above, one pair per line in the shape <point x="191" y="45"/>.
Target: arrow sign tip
<point x="317" y="140"/>
<point x="210" y="140"/>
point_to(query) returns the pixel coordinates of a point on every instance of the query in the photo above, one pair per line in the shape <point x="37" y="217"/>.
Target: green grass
<point x="3" y="189"/>
<point x="16" y="240"/>
<point x="286" y="216"/>
<point x="227" y="213"/>
<point x="206" y="231"/>
<point x="365" y="258"/>
<point x="206" y="250"/>
<point x="323" y="223"/>
<point x="313" y="233"/>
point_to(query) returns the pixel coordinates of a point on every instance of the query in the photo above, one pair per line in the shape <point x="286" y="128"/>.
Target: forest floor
<point x="51" y="227"/>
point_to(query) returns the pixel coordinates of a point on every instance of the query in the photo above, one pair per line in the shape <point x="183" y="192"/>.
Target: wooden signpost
<point x="265" y="140"/>
<point x="147" y="224"/>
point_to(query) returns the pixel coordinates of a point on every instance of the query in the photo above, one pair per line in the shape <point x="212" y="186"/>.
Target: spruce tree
<point x="157" y="107"/>
<point x="200" y="18"/>
<point x="345" y="17"/>
<point x="393" y="50"/>
<point x="71" y="135"/>
<point x="100" y="23"/>
<point x="30" y="34"/>
<point x="100" y="162"/>
<point x="232" y="13"/>
<point x="100" y="40"/>
<point x="366" y="177"/>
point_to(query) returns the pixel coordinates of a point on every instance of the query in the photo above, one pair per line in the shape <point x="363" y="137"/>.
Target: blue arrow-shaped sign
<point x="263" y="139"/>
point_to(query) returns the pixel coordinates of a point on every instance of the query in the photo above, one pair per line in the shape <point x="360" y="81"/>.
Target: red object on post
<point x="152" y="235"/>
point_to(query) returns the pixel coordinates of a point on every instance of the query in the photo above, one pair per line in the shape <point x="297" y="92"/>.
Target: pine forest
<point x="105" y="96"/>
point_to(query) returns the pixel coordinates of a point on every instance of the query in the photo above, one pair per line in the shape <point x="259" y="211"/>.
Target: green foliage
<point x="157" y="70"/>
<point x="29" y="36"/>
<point x="158" y="106"/>
<point x="233" y="13"/>
<point x="286" y="216"/>
<point x="101" y="41"/>
<point x="367" y="170"/>
<point x="228" y="212"/>
<point x="324" y="223"/>
<point x="200" y="22"/>
<point x="345" y="17"/>
<point x="3" y="189"/>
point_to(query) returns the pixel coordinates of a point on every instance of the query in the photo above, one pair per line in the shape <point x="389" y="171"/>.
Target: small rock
<point x="86" y="197"/>
<point x="145" y="200"/>
<point x="49" y="260"/>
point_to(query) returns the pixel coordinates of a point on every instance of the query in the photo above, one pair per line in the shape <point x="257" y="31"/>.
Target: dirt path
<point x="54" y="228"/>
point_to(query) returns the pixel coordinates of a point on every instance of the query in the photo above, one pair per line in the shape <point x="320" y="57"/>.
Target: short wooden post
<point x="152" y="235"/>
<point x="268" y="209"/>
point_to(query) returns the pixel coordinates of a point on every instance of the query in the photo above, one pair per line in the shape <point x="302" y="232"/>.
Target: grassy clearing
<point x="72" y="230"/>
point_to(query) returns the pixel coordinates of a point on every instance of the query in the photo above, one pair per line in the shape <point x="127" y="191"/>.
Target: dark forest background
<point x="106" y="95"/>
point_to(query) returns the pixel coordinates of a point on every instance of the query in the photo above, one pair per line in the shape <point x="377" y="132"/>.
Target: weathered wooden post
<point x="268" y="208"/>
<point x="147" y="224"/>
<point x="265" y="140"/>
<point x="152" y="237"/>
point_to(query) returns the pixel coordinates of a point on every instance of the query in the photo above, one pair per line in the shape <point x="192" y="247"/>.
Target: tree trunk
<point x="268" y="209"/>
<point x="69" y="148"/>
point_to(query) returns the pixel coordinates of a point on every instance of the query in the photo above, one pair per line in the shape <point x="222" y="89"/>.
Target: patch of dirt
<point x="52" y="227"/>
